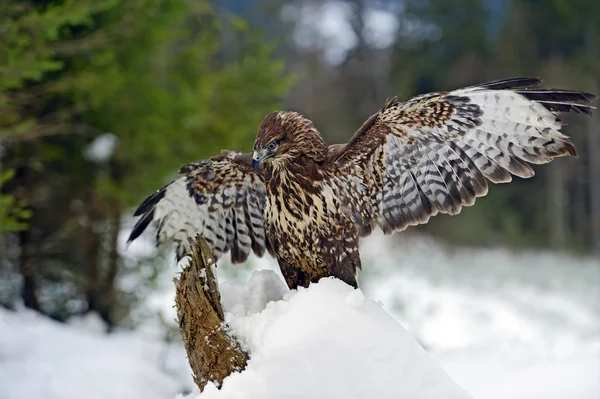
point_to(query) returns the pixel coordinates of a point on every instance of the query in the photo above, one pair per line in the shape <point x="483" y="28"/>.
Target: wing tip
<point x="146" y="211"/>
<point x="149" y="203"/>
<point x="561" y="101"/>
<point x="140" y="226"/>
<point x="512" y="83"/>
<point x="589" y="97"/>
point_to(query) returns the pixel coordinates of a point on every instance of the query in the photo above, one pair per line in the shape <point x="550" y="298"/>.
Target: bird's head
<point x="286" y="136"/>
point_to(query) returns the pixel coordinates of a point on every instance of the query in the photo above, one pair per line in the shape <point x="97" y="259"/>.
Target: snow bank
<point x="573" y="379"/>
<point x="40" y="358"/>
<point x="327" y="341"/>
<point x="501" y="374"/>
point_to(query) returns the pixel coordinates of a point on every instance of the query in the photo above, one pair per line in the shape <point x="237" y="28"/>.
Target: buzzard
<point x="307" y="203"/>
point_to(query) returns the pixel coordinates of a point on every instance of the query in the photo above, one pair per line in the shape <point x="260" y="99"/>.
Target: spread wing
<point x="435" y="153"/>
<point x="220" y="198"/>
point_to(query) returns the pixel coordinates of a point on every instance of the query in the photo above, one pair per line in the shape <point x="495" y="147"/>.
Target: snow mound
<point x="327" y="341"/>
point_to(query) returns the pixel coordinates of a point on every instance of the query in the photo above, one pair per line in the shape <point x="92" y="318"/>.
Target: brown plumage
<point x="308" y="204"/>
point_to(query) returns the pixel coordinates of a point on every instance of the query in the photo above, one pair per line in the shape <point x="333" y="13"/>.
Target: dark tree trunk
<point x="26" y="263"/>
<point x="92" y="256"/>
<point x="109" y="293"/>
<point x="28" y="273"/>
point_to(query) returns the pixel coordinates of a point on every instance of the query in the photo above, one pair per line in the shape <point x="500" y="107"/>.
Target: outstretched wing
<point x="434" y="153"/>
<point x="220" y="198"/>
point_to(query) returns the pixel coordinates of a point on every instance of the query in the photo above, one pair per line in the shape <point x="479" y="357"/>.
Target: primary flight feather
<point x="308" y="203"/>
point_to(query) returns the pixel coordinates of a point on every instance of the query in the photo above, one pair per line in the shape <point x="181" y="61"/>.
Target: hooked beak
<point x="257" y="158"/>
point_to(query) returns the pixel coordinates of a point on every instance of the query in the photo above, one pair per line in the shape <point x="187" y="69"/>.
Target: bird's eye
<point x="271" y="146"/>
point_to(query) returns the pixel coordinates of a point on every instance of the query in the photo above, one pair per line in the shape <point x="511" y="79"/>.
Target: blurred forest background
<point x="101" y="101"/>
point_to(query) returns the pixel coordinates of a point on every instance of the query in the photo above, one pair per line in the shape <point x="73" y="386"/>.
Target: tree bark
<point x="213" y="353"/>
<point x="27" y="267"/>
<point x="115" y="213"/>
<point x="27" y="270"/>
<point x="107" y="311"/>
<point x="92" y="255"/>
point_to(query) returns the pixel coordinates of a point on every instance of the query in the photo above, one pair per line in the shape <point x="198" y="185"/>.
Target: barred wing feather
<point x="220" y="198"/>
<point x="435" y="153"/>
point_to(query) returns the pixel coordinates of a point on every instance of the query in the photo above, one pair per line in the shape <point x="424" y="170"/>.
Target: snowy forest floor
<point x="501" y="324"/>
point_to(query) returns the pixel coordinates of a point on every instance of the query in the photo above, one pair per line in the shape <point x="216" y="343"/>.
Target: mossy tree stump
<point x="212" y="352"/>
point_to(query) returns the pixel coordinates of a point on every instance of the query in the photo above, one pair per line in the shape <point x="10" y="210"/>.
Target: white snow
<point x="502" y="324"/>
<point x="327" y="341"/>
<point x="490" y="375"/>
<point x="40" y="358"/>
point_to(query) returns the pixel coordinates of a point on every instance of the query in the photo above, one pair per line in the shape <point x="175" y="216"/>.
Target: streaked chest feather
<point x="297" y="205"/>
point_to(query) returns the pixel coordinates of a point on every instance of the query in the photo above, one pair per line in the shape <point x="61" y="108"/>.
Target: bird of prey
<point x="307" y="203"/>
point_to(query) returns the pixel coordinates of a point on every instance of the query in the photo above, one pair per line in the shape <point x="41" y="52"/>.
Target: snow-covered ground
<point x="42" y="359"/>
<point x="501" y="325"/>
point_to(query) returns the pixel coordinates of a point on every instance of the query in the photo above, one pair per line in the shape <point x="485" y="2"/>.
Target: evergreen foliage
<point x="100" y="103"/>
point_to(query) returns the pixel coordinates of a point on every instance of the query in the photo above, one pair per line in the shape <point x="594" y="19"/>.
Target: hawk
<point x="307" y="203"/>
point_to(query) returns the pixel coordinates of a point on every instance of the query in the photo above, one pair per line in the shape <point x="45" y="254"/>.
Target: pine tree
<point x="150" y="77"/>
